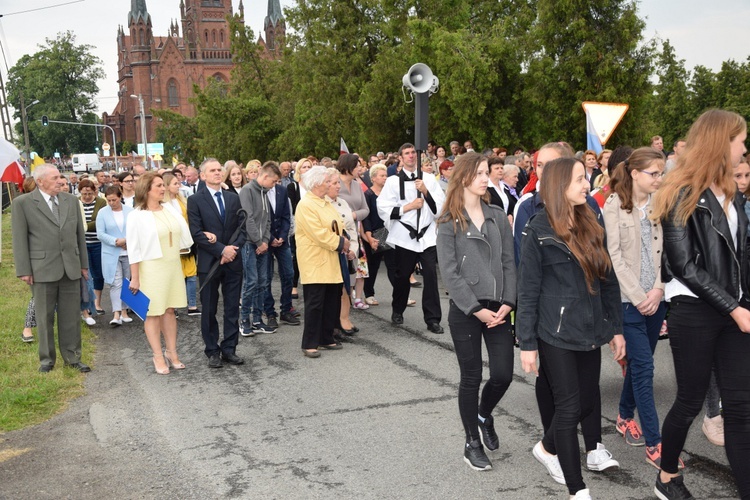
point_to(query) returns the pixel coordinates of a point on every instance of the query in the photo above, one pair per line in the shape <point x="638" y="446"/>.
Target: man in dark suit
<point x="213" y="219"/>
<point x="49" y="248"/>
<point x="280" y="214"/>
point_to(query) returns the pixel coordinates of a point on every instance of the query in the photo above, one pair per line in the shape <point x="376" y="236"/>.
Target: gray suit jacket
<point x="42" y="248"/>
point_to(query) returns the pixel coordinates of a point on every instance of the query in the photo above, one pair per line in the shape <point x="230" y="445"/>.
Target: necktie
<point x="193" y="186"/>
<point x="55" y="208"/>
<point x="221" y="205"/>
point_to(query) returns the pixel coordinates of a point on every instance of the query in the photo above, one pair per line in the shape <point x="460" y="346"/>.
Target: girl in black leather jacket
<point x="705" y="271"/>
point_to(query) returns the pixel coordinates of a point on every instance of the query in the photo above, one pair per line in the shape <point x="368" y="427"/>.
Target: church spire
<point x="274" y="14"/>
<point x="138" y="11"/>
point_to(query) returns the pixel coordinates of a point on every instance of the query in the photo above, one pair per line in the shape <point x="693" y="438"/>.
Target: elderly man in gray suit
<point x="49" y="248"/>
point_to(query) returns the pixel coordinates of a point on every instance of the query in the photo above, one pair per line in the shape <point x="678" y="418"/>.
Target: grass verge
<point x="28" y="397"/>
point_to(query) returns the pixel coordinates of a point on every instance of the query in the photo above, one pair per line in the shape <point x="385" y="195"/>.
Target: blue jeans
<point x="191" y="285"/>
<point x="641" y="334"/>
<point x="94" y="251"/>
<point x="88" y="305"/>
<point x="283" y="256"/>
<point x="255" y="280"/>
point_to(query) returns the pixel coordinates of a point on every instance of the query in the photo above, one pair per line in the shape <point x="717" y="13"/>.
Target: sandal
<point x="372" y="301"/>
<point x="359" y="304"/>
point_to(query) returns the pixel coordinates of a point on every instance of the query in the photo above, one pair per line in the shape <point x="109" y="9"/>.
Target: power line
<point x="41" y="8"/>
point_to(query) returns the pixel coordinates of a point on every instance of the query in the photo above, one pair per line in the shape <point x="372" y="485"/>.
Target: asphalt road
<point x="378" y="419"/>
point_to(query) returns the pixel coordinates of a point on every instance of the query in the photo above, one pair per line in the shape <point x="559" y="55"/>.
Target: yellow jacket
<point x="319" y="240"/>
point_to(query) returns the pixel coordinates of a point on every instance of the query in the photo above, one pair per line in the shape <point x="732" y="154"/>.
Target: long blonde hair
<point x="707" y="161"/>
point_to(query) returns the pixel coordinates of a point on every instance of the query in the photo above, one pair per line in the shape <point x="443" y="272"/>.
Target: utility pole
<point x="25" y="122"/>
<point x="143" y="128"/>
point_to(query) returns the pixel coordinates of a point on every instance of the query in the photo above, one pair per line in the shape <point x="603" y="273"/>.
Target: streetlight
<point x="143" y="127"/>
<point x="25" y="123"/>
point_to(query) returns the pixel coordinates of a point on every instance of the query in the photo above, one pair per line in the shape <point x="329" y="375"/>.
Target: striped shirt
<point x="88" y="210"/>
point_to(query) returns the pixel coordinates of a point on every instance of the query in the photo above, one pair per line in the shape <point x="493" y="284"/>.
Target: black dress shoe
<point x="397" y="319"/>
<point x="214" y="361"/>
<point x="46" y="368"/>
<point x="435" y="328"/>
<point x="79" y="366"/>
<point x="232" y="358"/>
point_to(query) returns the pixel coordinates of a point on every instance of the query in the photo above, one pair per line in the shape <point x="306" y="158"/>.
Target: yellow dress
<point x="161" y="279"/>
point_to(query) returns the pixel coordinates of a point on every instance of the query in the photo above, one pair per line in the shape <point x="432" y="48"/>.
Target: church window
<point x="173" y="97"/>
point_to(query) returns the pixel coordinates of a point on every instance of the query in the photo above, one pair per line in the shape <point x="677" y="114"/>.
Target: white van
<point x="86" y="162"/>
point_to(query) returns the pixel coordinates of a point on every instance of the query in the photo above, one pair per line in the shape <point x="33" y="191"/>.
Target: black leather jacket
<point x="702" y="256"/>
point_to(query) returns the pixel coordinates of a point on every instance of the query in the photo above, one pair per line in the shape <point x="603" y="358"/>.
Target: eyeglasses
<point x="130" y="181"/>
<point x="655" y="175"/>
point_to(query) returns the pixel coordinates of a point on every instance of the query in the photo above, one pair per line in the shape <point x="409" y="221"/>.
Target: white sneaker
<point x="89" y="321"/>
<point x="550" y="462"/>
<point x="600" y="459"/>
<point x="713" y="428"/>
<point x="584" y="494"/>
<point x="127" y="320"/>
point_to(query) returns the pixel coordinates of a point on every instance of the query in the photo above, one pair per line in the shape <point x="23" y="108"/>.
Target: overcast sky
<point x="702" y="32"/>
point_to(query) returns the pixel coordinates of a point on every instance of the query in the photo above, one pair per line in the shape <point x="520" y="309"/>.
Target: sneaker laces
<point x="600" y="455"/>
<point x="632" y="426"/>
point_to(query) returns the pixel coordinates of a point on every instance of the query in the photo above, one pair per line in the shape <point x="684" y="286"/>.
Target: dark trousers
<point x="283" y="256"/>
<point x="467" y="333"/>
<point x="373" y="265"/>
<point x="574" y="379"/>
<point x="401" y="263"/>
<point x="322" y="310"/>
<point x="231" y="285"/>
<point x="700" y="337"/>
<point x="591" y="425"/>
<point x="94" y="251"/>
<point x="63" y="296"/>
<point x="641" y="335"/>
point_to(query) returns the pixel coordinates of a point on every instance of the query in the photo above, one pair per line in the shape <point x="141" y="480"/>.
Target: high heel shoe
<point x="176" y="366"/>
<point x="163" y="371"/>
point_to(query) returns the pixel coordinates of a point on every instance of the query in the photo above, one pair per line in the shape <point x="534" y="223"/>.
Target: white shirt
<point x="271" y="194"/>
<point x="216" y="202"/>
<point x="389" y="199"/>
<point x="48" y="199"/>
<point x="501" y="193"/>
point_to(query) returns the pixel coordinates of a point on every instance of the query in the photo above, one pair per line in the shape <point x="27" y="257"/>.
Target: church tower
<point x="205" y="29"/>
<point x="141" y="44"/>
<point x="275" y="29"/>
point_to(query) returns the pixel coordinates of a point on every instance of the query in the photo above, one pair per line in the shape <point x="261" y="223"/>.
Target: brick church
<point x="163" y="69"/>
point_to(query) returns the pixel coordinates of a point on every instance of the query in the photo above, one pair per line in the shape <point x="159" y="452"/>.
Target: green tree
<point x="670" y="109"/>
<point x="585" y="50"/>
<point x="62" y="76"/>
<point x="702" y="89"/>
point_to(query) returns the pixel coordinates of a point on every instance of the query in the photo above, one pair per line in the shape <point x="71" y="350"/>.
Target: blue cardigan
<point x="107" y="232"/>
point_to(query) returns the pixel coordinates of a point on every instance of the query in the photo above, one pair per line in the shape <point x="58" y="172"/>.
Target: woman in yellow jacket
<point x="319" y="242"/>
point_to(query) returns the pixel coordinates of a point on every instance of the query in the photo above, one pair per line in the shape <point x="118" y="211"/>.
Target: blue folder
<point x="138" y="302"/>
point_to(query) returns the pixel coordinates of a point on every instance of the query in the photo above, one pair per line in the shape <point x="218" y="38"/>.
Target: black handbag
<point x="381" y="235"/>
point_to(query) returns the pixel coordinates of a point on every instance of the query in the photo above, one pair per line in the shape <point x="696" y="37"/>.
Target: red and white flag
<point x="10" y="167"/>
<point x="343" y="149"/>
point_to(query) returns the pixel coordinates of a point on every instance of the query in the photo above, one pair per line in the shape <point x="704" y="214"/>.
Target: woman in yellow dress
<point x="173" y="197"/>
<point x="155" y="233"/>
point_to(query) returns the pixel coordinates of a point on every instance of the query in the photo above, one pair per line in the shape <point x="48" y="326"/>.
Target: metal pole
<point x="143" y="131"/>
<point x="25" y="133"/>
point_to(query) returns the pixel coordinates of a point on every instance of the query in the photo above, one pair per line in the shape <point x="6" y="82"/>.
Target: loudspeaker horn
<point x="419" y="79"/>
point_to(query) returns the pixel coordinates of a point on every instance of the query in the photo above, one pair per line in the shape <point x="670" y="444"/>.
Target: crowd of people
<point x="555" y="252"/>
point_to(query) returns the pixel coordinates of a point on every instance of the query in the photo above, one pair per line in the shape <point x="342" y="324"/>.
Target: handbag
<point x="381" y="235"/>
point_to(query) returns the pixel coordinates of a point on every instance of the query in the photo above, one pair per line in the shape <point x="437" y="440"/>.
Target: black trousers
<point x="467" y="333"/>
<point x="231" y="286"/>
<point x="700" y="338"/>
<point x="401" y="263"/>
<point x="373" y="265"/>
<point x="591" y="425"/>
<point x="574" y="380"/>
<point x="322" y="310"/>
